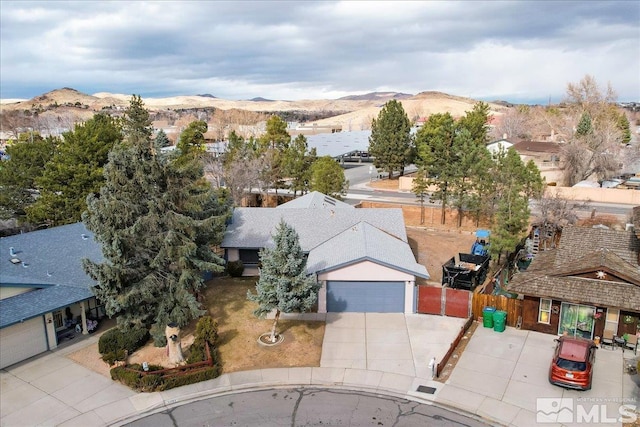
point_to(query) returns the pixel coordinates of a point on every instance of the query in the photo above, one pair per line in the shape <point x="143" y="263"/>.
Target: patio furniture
<point x="619" y="342"/>
<point x="631" y="343"/>
<point x="607" y="339"/>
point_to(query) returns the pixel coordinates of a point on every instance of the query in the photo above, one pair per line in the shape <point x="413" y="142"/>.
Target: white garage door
<point x="21" y="341"/>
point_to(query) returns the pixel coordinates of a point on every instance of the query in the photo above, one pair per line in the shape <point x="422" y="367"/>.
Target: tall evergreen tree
<point x="437" y="154"/>
<point x="284" y="285"/>
<point x="274" y="146"/>
<point x="298" y="164"/>
<point x="19" y="174"/>
<point x="476" y="122"/>
<point x="419" y="188"/>
<point x="391" y="142"/>
<point x="157" y="220"/>
<point x="192" y="138"/>
<point x="514" y="184"/>
<point x="74" y="172"/>
<point x="472" y="161"/>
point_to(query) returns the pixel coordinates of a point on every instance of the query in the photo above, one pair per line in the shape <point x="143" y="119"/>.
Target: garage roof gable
<point x="362" y="242"/>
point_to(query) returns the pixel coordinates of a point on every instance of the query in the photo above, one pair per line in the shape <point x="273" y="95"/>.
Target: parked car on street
<point x="572" y="364"/>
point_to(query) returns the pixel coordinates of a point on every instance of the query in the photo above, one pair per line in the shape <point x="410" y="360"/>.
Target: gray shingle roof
<point x="253" y="227"/>
<point x="52" y="256"/>
<point x="52" y="266"/>
<point x="35" y="303"/>
<point x="362" y="242"/>
<point x="315" y="199"/>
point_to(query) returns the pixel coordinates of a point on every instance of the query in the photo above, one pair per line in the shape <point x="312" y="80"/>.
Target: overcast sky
<point x="515" y="51"/>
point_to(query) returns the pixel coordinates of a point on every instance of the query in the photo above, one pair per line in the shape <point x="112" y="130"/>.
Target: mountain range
<point x="353" y="112"/>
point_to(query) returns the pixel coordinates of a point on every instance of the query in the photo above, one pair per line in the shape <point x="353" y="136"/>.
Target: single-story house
<point x="500" y="144"/>
<point x="589" y="283"/>
<point x="361" y="257"/>
<point x="543" y="153"/>
<point x="44" y="292"/>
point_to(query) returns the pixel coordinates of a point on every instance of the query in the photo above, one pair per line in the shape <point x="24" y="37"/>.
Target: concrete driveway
<point x="387" y="342"/>
<point x="501" y="376"/>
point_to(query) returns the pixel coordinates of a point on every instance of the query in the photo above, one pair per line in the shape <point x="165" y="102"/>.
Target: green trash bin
<point x="499" y="321"/>
<point x="487" y="316"/>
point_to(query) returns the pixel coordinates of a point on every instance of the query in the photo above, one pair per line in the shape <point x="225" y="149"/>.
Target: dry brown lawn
<point x="239" y="329"/>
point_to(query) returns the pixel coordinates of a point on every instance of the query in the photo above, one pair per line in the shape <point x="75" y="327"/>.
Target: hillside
<point x="360" y="109"/>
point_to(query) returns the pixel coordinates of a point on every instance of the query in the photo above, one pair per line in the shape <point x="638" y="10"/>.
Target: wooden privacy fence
<point x="512" y="306"/>
<point x="444" y="301"/>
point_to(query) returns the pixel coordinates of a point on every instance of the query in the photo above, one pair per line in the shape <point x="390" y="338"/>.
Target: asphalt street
<point x="306" y="407"/>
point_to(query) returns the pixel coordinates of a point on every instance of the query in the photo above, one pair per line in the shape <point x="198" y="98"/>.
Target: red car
<point x="572" y="364"/>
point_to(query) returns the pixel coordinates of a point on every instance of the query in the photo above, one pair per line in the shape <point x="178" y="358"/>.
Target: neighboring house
<point x="589" y="283"/>
<point x="500" y="144"/>
<point x="543" y="153"/>
<point x="360" y="256"/>
<point x="44" y="291"/>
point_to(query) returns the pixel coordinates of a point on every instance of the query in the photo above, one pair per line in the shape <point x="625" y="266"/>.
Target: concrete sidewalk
<point x="498" y="377"/>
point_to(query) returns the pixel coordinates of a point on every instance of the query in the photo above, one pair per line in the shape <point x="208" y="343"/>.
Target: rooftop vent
<point x="24" y="264"/>
<point x="84" y="236"/>
<point x="12" y="252"/>
<point x="15" y="261"/>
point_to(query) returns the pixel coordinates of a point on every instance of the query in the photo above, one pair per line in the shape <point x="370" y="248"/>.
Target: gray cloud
<point x="520" y="51"/>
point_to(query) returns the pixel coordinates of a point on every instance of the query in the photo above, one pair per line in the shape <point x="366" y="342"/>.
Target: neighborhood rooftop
<point x="314" y="226"/>
<point x="364" y="242"/>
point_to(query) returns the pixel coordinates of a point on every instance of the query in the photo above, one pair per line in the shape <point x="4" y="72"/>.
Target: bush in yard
<point x="206" y="332"/>
<point x="116" y="343"/>
<point x="235" y="268"/>
<point x="133" y="377"/>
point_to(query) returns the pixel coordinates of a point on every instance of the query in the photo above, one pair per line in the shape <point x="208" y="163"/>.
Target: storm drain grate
<point x="425" y="389"/>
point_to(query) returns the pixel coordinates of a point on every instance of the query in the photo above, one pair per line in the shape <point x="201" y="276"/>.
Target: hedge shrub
<point x="132" y="377"/>
<point x="116" y="343"/>
<point x="235" y="268"/>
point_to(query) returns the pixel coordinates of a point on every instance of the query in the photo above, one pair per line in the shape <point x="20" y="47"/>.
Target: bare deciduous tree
<point x="555" y="213"/>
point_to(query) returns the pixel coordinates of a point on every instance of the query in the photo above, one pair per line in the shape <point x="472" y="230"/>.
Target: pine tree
<point x="514" y="184"/>
<point x="157" y="219"/>
<point x="584" y="127"/>
<point x="391" y="143"/>
<point x="192" y="138"/>
<point x="161" y="140"/>
<point x="472" y="161"/>
<point x="75" y="171"/>
<point x="436" y="153"/>
<point x="18" y="175"/>
<point x="327" y="177"/>
<point x="419" y="188"/>
<point x="284" y="285"/>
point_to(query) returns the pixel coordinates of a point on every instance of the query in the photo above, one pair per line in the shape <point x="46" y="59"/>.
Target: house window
<point x="544" y="313"/>
<point x="57" y="319"/>
<point x="249" y="256"/>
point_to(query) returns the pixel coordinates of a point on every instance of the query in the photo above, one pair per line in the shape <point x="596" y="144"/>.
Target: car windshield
<point x="571" y="365"/>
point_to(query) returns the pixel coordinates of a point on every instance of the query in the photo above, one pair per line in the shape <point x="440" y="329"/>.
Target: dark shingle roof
<point x="52" y="266"/>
